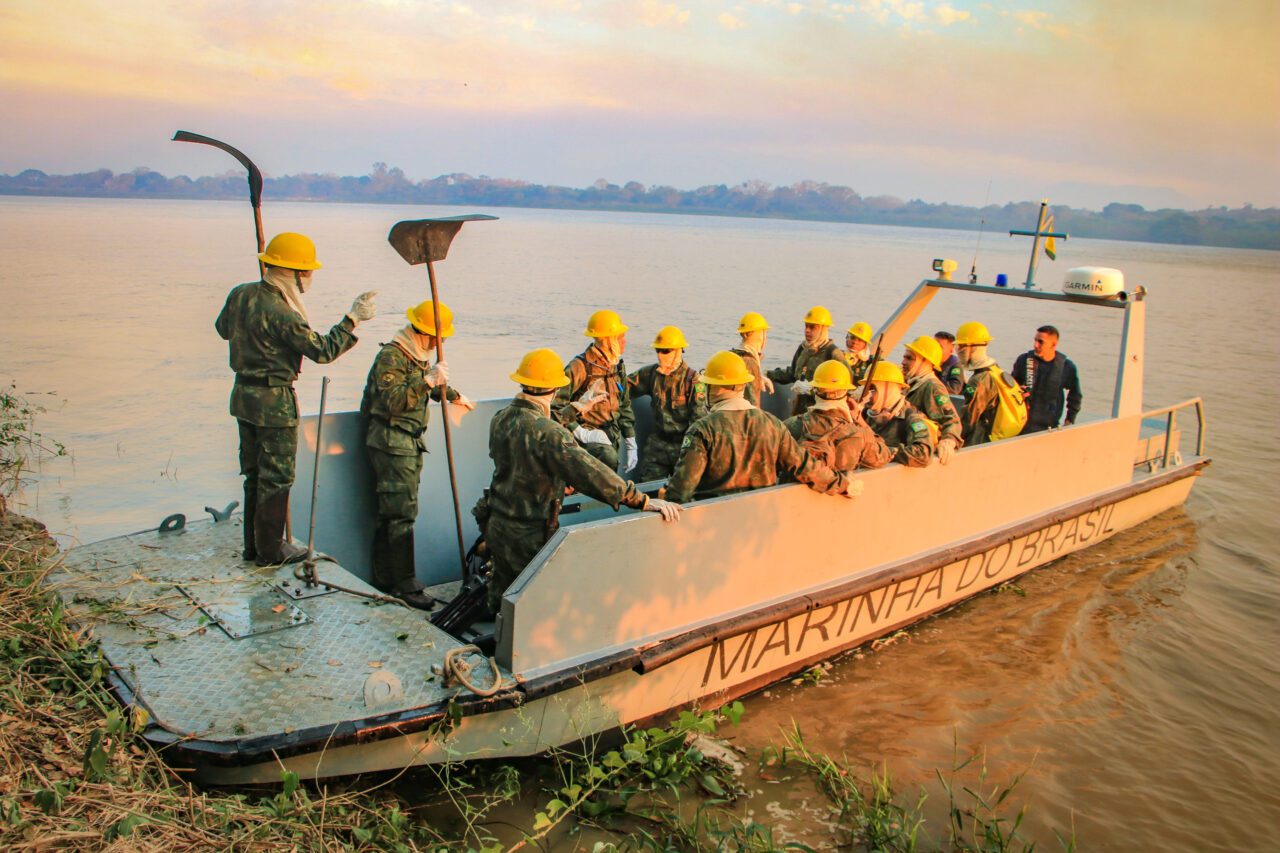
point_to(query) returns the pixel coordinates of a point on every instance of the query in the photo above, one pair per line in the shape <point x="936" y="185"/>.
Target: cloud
<point x="730" y="22"/>
<point x="1040" y="20"/>
<point x="948" y="15"/>
<point x="654" y="13"/>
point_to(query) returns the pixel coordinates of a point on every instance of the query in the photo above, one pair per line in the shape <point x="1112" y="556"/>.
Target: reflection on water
<point x="1138" y="679"/>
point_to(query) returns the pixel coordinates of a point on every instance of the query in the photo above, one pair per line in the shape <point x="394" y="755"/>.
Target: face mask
<point x="668" y="361"/>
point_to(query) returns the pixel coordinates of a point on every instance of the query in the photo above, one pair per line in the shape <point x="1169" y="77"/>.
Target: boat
<point x="238" y="673"/>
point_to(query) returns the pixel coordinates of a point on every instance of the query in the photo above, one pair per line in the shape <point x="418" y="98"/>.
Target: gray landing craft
<point x="244" y="671"/>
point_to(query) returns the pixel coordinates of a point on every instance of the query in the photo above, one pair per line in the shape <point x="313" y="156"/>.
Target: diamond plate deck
<point x="197" y="681"/>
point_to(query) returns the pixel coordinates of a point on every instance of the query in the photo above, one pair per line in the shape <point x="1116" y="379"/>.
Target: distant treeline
<point x="1244" y="227"/>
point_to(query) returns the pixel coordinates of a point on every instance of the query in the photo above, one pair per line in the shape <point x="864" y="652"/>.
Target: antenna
<point x="973" y="270"/>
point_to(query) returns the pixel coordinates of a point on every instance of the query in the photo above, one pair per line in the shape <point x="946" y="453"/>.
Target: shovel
<point x="425" y="241"/>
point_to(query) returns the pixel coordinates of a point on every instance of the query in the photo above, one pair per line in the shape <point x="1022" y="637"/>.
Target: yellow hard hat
<point x="928" y="349"/>
<point x="423" y="318"/>
<point x="971" y="333"/>
<point x="833" y="375"/>
<point x="727" y="368"/>
<point x="669" y="337"/>
<point x="541" y="368"/>
<point x="818" y="316"/>
<point x="752" y="322"/>
<point x="604" y="324"/>
<point x="861" y="331"/>
<point x="291" y="251"/>
<point x="887" y="371"/>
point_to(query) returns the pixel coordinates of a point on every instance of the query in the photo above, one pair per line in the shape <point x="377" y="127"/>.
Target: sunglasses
<point x="663" y="351"/>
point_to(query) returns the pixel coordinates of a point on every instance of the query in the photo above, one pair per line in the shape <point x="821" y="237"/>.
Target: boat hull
<point x="747" y="652"/>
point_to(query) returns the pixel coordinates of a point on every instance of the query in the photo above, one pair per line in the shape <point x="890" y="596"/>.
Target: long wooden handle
<point x="444" y="410"/>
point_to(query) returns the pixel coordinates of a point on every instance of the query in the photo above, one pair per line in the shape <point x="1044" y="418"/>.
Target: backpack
<point x="1011" y="408"/>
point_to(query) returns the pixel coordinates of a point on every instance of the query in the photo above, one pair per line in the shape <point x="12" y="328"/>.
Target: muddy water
<point x="1136" y="683"/>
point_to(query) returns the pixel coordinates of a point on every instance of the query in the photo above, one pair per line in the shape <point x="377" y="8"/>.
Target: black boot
<point x="268" y="528"/>
<point x="404" y="579"/>
<point x="380" y="564"/>
<point x="247" y="521"/>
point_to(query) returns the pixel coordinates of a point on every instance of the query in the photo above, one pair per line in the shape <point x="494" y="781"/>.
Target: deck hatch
<point x="247" y="612"/>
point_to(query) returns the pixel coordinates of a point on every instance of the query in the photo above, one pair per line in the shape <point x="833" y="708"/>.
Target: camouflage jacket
<point x="804" y="362"/>
<point x="929" y="396"/>
<point x="736" y="450"/>
<point x="755" y="389"/>
<point x="859" y="369"/>
<point x="677" y="399"/>
<point x="852" y="444"/>
<point x="981" y="399"/>
<point x="268" y="342"/>
<point x="905" y="432"/>
<point x="534" y="458"/>
<point x="396" y="402"/>
<point x="613" y="414"/>
<point x="952" y="375"/>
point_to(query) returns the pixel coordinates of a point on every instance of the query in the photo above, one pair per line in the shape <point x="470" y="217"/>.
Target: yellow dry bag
<point x="1011" y="412"/>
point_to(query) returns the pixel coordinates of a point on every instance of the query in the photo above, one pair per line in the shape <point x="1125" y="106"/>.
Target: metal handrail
<point x="1171" y="421"/>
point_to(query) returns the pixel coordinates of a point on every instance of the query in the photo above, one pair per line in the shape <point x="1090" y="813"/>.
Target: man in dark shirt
<point x="951" y="373"/>
<point x="1045" y="376"/>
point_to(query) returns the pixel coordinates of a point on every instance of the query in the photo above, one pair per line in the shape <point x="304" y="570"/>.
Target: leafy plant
<point x="20" y="445"/>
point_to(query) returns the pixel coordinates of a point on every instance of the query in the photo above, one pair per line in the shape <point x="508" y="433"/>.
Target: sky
<point x="1172" y="103"/>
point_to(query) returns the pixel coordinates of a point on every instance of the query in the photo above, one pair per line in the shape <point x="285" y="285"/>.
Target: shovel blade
<point x="420" y="241"/>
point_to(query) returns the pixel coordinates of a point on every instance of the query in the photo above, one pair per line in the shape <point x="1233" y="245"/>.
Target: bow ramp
<point x="232" y="663"/>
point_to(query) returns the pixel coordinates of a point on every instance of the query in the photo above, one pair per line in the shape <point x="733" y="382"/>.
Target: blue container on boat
<point x="1002" y="280"/>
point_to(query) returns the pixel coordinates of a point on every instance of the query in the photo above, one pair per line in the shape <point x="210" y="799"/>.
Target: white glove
<point x="766" y="384"/>
<point x="630" y="455"/>
<point x="591" y="436"/>
<point x="670" y="511"/>
<point x="438" y="374"/>
<point x="946" y="449"/>
<point x="595" y="393"/>
<point x="464" y="403"/>
<point x="364" y="307"/>
<point x="854" y="488"/>
<point x="802" y="387"/>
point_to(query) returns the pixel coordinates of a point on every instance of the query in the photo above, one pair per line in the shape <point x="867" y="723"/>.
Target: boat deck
<point x="218" y="649"/>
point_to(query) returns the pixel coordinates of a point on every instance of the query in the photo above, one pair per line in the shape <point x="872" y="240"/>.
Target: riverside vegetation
<point x="73" y="774"/>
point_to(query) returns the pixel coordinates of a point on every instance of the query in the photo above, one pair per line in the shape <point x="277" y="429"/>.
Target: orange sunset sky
<point x="1160" y="103"/>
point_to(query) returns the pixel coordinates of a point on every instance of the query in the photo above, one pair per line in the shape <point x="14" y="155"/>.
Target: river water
<point x="1136" y="683"/>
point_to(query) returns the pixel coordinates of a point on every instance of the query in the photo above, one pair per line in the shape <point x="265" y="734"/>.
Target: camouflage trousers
<point x="267" y="459"/>
<point x="396" y="481"/>
<point x="513" y="544"/>
<point x="658" y="459"/>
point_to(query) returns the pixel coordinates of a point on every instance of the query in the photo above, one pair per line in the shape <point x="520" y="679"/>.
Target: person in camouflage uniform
<point x="903" y="428"/>
<point x="268" y="332"/>
<point x="396" y="405"/>
<point x="738" y="447"/>
<point x="595" y="405"/>
<point x="981" y="396"/>
<point x="677" y="399"/>
<point x="857" y="353"/>
<point x="950" y="371"/>
<point x="926" y="392"/>
<point x="833" y="430"/>
<point x="816" y="348"/>
<point x="534" y="459"/>
<point x="754" y="331"/>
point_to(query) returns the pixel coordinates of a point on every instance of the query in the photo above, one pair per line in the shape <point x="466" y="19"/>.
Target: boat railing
<point x="1171" y="427"/>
